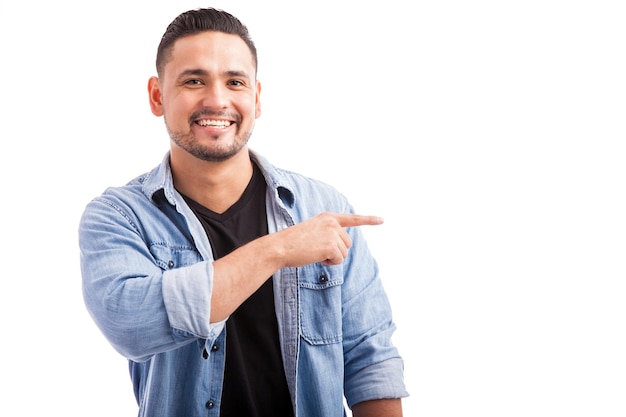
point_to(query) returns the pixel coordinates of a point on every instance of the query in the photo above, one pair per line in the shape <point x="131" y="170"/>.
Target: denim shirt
<point x="147" y="276"/>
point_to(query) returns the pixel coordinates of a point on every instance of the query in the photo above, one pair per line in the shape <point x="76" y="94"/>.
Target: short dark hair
<point x="197" y="21"/>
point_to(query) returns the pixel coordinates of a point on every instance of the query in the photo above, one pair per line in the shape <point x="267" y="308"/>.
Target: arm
<point x="123" y="275"/>
<point x="378" y="408"/>
<point x="143" y="306"/>
<point x="319" y="239"/>
<point x="373" y="367"/>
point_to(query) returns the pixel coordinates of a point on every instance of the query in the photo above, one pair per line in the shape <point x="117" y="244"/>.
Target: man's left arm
<point x="391" y="407"/>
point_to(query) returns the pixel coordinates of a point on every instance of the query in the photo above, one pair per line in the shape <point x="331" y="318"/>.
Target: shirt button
<point x="214" y="348"/>
<point x="323" y="278"/>
<point x="205" y="354"/>
<point x="210" y="404"/>
<point x="170" y="264"/>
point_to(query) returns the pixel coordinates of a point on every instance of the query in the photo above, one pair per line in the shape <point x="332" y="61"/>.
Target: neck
<point x="215" y="185"/>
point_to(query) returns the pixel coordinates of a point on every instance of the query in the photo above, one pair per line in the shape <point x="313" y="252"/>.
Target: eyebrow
<point x="198" y="72"/>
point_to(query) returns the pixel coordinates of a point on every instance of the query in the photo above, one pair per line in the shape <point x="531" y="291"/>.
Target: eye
<point x="235" y="83"/>
<point x="193" y="82"/>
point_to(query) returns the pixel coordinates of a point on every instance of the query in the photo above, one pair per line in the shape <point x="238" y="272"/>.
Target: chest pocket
<point x="170" y="257"/>
<point x="320" y="303"/>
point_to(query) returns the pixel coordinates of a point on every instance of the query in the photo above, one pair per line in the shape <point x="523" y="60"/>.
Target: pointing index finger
<point x="350" y="220"/>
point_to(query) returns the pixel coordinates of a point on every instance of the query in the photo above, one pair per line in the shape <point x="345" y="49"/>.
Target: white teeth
<point x="214" y="123"/>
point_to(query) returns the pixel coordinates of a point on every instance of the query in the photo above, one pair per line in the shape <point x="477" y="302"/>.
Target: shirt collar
<point x="159" y="181"/>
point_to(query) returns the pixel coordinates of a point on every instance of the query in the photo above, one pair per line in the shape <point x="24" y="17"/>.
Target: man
<point x="234" y="288"/>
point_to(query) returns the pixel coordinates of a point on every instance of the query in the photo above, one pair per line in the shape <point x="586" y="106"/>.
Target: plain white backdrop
<point x="489" y="135"/>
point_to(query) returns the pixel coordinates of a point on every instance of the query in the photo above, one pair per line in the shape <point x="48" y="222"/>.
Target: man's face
<point x="208" y="95"/>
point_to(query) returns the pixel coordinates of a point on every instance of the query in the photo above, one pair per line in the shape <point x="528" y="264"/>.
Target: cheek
<point x="252" y="108"/>
<point x="177" y="109"/>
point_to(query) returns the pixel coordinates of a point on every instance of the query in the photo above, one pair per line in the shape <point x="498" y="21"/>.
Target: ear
<point x="258" y="100"/>
<point x="154" y="93"/>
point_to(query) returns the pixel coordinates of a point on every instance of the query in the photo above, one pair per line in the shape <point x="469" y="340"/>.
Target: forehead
<point x="210" y="49"/>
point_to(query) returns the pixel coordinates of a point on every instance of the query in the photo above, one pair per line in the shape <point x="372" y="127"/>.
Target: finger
<point x="335" y="260"/>
<point x="346" y="240"/>
<point x="350" y="220"/>
<point x="343" y="248"/>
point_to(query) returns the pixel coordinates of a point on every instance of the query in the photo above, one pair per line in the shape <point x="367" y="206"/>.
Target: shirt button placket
<point x="205" y="353"/>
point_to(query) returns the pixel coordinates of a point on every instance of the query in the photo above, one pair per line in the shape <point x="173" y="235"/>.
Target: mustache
<point x="208" y="113"/>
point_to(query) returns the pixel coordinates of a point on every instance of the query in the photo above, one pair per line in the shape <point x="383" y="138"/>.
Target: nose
<point x="215" y="96"/>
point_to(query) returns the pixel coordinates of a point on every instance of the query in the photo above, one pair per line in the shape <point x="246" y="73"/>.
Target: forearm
<point x="391" y="407"/>
<point x="239" y="274"/>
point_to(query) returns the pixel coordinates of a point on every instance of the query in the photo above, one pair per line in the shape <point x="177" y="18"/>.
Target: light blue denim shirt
<point x="147" y="275"/>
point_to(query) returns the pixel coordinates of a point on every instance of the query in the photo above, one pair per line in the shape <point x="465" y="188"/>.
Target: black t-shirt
<point x="254" y="377"/>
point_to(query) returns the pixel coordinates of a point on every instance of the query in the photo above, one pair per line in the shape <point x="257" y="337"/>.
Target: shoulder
<point x="306" y="195"/>
<point x="280" y="177"/>
<point x="146" y="188"/>
<point x="305" y="184"/>
<point x="128" y="201"/>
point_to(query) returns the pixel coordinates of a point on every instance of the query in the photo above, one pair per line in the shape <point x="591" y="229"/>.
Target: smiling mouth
<point x="220" y="124"/>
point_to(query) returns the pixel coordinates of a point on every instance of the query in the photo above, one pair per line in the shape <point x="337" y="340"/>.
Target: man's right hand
<point x="322" y="238"/>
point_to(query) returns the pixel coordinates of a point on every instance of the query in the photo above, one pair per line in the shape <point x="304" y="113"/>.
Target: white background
<point x="489" y="135"/>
